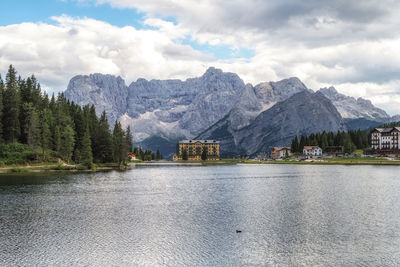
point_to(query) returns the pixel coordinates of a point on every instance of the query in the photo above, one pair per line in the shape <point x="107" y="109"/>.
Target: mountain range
<point x="218" y="105"/>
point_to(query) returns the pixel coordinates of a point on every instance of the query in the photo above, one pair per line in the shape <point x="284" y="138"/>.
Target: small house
<point x="280" y="152"/>
<point x="335" y="151"/>
<point x="312" y="151"/>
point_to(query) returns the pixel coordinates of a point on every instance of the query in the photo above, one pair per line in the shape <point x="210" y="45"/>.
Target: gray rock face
<point x="351" y="108"/>
<point x="106" y="92"/>
<point x="217" y="101"/>
<point x="302" y="113"/>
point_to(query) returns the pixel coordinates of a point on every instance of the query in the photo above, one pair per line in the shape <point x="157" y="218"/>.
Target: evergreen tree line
<point x="350" y="140"/>
<point x="56" y="127"/>
<point x="147" y="155"/>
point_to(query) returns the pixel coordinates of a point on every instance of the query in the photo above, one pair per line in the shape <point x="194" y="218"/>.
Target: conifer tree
<point x="86" y="150"/>
<point x="119" y="144"/>
<point x="56" y="138"/>
<point x="158" y="155"/>
<point x="104" y="147"/>
<point x="44" y="131"/>
<point x="31" y="124"/>
<point x="129" y="138"/>
<point x="295" y="145"/>
<point x="67" y="142"/>
<point x="204" y="154"/>
<point x="11" y="126"/>
<point x="1" y="108"/>
<point x="185" y="155"/>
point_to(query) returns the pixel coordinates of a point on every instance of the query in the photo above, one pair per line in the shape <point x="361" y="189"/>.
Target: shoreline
<point x="53" y="168"/>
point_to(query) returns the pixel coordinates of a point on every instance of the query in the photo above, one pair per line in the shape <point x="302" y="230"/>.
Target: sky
<point x="351" y="45"/>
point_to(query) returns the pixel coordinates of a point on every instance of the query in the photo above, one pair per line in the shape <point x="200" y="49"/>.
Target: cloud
<point x="74" y="46"/>
<point x="352" y="45"/>
<point x="312" y="22"/>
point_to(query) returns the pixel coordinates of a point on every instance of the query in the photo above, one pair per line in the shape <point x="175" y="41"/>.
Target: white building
<point x="280" y="152"/>
<point x="312" y="151"/>
<point x="385" y="138"/>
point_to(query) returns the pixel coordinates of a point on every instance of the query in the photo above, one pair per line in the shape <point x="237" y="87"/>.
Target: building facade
<point x="335" y="151"/>
<point x="195" y="148"/>
<point x="280" y="152"/>
<point x="386" y="139"/>
<point x="312" y="151"/>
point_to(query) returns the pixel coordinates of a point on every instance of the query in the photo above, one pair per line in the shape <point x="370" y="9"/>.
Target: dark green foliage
<point x="1" y="108"/>
<point x="295" y="145"/>
<point x="185" y="155"/>
<point x="30" y="123"/>
<point x="204" y="154"/>
<point x="86" y="151"/>
<point x="16" y="153"/>
<point x="103" y="149"/>
<point x="129" y="138"/>
<point x="44" y="131"/>
<point x="119" y="144"/>
<point x="47" y="129"/>
<point x="158" y="155"/>
<point x="350" y="140"/>
<point x="67" y="142"/>
<point x="11" y="126"/>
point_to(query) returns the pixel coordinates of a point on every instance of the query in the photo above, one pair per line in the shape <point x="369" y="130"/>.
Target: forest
<point x="37" y="128"/>
<point x="350" y="140"/>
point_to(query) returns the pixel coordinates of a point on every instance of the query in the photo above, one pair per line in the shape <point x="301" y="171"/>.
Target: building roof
<point x="280" y="148"/>
<point x="387" y="130"/>
<point x="311" y="147"/>
<point x="201" y="141"/>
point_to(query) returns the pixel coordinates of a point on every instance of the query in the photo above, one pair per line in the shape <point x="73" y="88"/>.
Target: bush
<point x="16" y="153"/>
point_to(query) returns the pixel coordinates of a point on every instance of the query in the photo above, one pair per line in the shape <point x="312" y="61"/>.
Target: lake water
<point x="288" y="214"/>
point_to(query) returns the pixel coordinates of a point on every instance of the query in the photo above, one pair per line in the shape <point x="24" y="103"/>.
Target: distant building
<point x="312" y="151"/>
<point x="280" y="152"/>
<point x="386" y="140"/>
<point x="132" y="156"/>
<point x="194" y="149"/>
<point x="336" y="151"/>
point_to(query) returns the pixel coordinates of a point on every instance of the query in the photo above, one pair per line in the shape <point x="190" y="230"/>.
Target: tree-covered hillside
<point x="34" y="127"/>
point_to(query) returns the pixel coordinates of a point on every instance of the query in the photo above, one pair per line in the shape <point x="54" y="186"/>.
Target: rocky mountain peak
<point x="352" y="108"/>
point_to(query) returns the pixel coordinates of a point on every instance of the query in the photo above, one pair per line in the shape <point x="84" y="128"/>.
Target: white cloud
<point x="55" y="53"/>
<point x="352" y="45"/>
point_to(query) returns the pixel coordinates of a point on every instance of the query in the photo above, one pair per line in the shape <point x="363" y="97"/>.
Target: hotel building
<point x="386" y="139"/>
<point x="194" y="149"/>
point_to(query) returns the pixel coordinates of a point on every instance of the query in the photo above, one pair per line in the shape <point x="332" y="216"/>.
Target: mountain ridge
<point x="175" y="109"/>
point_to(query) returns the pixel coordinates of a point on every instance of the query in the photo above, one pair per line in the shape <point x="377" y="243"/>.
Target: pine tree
<point x="67" y="142"/>
<point x="1" y="108"/>
<point x="86" y="151"/>
<point x="303" y="142"/>
<point x="11" y="125"/>
<point x="44" y="131"/>
<point x="158" y="155"/>
<point x="204" y="154"/>
<point x="324" y="141"/>
<point x="185" y="155"/>
<point x="295" y="145"/>
<point x="129" y="138"/>
<point x="93" y="123"/>
<point x="56" y="138"/>
<point x="119" y="144"/>
<point x="30" y="124"/>
<point x="104" y="149"/>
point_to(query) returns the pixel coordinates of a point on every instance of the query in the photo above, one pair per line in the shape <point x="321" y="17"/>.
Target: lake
<point x="303" y="215"/>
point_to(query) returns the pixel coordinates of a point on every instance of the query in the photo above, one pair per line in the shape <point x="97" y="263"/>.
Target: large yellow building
<point x="194" y="149"/>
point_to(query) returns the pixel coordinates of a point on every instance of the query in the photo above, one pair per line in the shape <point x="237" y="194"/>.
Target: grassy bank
<point x="51" y="167"/>
<point x="334" y="161"/>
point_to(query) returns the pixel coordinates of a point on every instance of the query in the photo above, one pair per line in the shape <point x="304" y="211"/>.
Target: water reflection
<point x="289" y="215"/>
